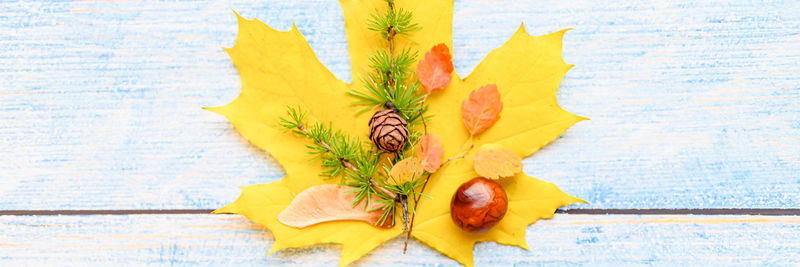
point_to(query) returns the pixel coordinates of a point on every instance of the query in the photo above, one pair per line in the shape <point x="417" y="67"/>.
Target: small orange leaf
<point x="482" y="109"/>
<point x="405" y="170"/>
<point x="329" y="202"/>
<point x="443" y="53"/>
<point x="494" y="161"/>
<point x="434" y="70"/>
<point x="431" y="150"/>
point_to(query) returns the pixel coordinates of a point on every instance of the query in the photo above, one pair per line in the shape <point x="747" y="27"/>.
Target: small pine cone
<point x="388" y="131"/>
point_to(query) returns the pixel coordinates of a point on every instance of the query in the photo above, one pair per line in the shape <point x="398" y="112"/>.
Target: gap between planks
<point x="718" y="211"/>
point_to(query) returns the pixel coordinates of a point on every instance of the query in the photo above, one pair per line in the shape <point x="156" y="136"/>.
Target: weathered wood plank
<point x="567" y="239"/>
<point x="693" y="104"/>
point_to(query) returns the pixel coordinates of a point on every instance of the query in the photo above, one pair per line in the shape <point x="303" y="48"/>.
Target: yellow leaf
<point x="279" y="69"/>
<point x="405" y="170"/>
<point x="494" y="161"/>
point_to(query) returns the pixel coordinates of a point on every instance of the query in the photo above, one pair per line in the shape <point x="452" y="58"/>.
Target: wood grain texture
<point x="620" y="240"/>
<point x="692" y="104"/>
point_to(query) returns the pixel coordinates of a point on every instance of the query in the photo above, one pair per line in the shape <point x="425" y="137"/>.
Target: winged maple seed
<point x="279" y="69"/>
<point x="325" y="203"/>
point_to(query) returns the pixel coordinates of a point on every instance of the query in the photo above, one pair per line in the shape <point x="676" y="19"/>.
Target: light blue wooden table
<point x="693" y="105"/>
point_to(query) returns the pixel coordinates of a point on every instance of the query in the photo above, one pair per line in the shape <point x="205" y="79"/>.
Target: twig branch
<point x="418" y="197"/>
<point x="404" y="203"/>
<point x="390" y="33"/>
<point x="383" y="189"/>
<point x="346" y="163"/>
<point x="414" y="216"/>
<point x="454" y="158"/>
<point x="422" y="117"/>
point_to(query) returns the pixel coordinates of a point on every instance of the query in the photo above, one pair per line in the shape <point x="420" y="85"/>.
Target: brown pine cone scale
<point x="388" y="131"/>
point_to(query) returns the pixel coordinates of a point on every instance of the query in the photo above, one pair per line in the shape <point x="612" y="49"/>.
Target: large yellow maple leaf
<point x="279" y="69"/>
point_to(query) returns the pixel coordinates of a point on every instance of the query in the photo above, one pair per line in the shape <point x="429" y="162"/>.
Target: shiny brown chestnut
<point x="478" y="205"/>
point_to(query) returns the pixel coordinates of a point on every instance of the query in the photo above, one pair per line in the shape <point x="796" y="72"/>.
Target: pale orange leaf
<point x="482" y="109"/>
<point x="431" y="150"/>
